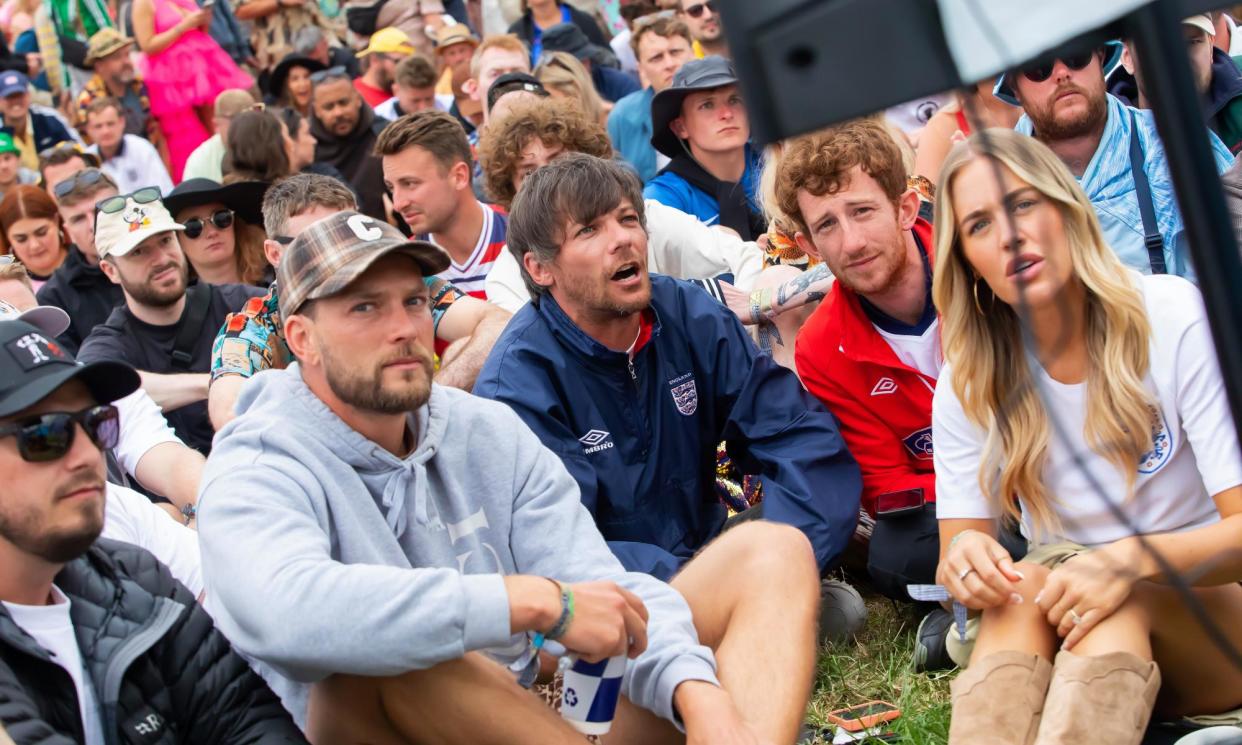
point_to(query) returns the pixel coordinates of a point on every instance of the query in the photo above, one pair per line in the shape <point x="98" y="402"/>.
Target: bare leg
<point x="1198" y="678"/>
<point x="754" y="593"/>
<point x="470" y="701"/>
<point x="1018" y="628"/>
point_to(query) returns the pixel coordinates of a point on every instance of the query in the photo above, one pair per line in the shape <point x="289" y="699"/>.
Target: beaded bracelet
<point x="567" y="612"/>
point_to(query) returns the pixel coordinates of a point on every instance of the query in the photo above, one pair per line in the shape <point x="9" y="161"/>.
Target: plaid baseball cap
<point x="331" y="253"/>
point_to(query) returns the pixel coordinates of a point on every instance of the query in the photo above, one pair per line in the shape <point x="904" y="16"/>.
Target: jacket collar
<point x="579" y="342"/>
<point x="1226" y="83"/>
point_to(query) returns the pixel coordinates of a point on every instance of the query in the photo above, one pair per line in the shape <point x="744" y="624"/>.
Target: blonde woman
<point x="1076" y="640"/>
<point x="565" y="77"/>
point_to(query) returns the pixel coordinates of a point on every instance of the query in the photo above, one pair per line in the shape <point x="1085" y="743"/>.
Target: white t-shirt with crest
<point x="1195" y="453"/>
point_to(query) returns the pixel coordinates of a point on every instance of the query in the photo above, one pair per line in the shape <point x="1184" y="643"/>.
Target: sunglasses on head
<point x="696" y="10"/>
<point x="331" y="73"/>
<point x="220" y="218"/>
<point x="47" y="437"/>
<point x="1040" y="73"/>
<point x="145" y="195"/>
<point x="87" y="178"/>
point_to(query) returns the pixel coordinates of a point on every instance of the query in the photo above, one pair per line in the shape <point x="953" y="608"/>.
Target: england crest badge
<point x="686" y="396"/>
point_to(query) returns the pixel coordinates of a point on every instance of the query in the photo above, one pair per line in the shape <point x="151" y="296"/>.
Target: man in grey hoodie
<point x="366" y="535"/>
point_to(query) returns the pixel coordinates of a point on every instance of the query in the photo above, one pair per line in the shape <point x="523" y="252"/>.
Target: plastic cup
<point x="590" y="692"/>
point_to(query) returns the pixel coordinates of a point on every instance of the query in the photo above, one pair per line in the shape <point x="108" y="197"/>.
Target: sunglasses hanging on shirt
<point x="220" y="218"/>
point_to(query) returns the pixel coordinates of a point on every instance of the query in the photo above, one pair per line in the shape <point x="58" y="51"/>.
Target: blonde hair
<point x="991" y="377"/>
<point x="562" y="72"/>
<point x="507" y="42"/>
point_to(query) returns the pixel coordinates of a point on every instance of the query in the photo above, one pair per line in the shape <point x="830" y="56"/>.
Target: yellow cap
<point x="388" y="41"/>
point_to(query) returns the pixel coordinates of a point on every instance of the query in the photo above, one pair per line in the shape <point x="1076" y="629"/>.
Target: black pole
<point x="1161" y="47"/>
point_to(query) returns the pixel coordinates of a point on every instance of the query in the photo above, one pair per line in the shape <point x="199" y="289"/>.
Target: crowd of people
<point x="356" y="352"/>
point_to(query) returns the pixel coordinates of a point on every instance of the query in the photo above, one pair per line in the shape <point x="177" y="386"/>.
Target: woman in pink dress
<point x="184" y="69"/>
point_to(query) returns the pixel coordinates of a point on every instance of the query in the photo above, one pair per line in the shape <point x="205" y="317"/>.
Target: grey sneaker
<point x="930" y="651"/>
<point x="842" y="612"/>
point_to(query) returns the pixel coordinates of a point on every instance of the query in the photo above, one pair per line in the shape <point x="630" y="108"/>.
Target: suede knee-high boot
<point x="1102" y="699"/>
<point x="999" y="699"/>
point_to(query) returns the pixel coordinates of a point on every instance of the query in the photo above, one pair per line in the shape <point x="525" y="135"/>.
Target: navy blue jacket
<point x="641" y="439"/>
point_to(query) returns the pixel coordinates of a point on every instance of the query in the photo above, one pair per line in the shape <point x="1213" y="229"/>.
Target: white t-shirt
<point x="142" y="428"/>
<point x="1196" y="447"/>
<point x="52" y="628"/>
<point x="919" y="352"/>
<point x="132" y="518"/>
<point x="138" y="164"/>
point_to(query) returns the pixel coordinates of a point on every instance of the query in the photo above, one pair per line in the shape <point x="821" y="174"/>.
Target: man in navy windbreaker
<point x="638" y="428"/>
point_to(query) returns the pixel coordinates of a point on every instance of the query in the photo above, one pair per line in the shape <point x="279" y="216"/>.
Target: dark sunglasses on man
<point x="221" y="218"/>
<point x="85" y="178"/>
<point x="1040" y="73"/>
<point x="47" y="437"/>
<point x="696" y="10"/>
<point x="332" y="73"/>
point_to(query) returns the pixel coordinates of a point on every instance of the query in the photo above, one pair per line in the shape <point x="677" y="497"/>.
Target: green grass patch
<point x="878" y="665"/>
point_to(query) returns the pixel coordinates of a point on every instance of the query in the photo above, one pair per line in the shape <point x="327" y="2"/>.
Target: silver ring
<point x="965" y="573"/>
<point x="1074" y="617"/>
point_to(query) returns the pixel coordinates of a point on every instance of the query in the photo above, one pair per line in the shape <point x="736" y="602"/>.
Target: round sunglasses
<point x="47" y="437"/>
<point x="1040" y="73"/>
<point x="220" y="218"/>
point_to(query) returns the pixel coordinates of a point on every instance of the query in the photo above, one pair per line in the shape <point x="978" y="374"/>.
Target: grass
<point x="877" y="665"/>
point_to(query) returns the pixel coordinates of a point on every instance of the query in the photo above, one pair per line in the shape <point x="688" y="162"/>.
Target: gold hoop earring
<point x="978" y="307"/>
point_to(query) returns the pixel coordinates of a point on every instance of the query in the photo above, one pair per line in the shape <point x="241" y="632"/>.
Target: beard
<point x="593" y="296"/>
<point x="1048" y="126"/>
<point x="885" y="272"/>
<point x="29" y="532"/>
<point x="146" y="294"/>
<point x="370" y="392"/>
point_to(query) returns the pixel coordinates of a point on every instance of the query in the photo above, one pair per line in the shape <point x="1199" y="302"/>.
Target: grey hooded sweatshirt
<point x="324" y="553"/>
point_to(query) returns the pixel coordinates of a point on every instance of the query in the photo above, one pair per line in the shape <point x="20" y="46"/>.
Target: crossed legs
<point x="754" y="593"/>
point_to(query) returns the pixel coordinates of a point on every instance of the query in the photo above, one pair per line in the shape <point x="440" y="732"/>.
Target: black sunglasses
<point x="283" y="240"/>
<point x="145" y="195"/>
<point x="1040" y="73"/>
<point x="47" y="437"/>
<point x="220" y="218"/>
<point x="331" y="73"/>
<point x="696" y="10"/>
<point x="86" y="178"/>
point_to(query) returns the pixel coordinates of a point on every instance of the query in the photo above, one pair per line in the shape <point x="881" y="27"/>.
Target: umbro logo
<point x="595" y="441"/>
<point x="884" y="386"/>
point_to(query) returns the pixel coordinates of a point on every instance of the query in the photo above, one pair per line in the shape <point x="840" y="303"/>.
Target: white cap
<point x="142" y="215"/>
<point x="1201" y="21"/>
<point x="47" y="318"/>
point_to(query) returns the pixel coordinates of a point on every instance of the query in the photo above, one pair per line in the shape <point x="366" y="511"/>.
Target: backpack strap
<point x="197" y="301"/>
<point x="1142" y="189"/>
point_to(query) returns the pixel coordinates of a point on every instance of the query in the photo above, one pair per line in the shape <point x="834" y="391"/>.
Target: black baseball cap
<point x="32" y="367"/>
<point x="514" y="81"/>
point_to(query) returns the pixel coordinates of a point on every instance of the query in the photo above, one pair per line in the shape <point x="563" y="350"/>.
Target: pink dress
<point x="189" y="73"/>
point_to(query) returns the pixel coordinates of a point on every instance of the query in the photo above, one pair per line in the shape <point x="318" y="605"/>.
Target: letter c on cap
<point x="364" y="227"/>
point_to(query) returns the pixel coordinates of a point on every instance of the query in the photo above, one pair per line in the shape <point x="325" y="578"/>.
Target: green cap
<point x="6" y="144"/>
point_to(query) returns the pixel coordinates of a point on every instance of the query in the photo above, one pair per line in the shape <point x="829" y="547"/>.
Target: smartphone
<point x="864" y="716"/>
